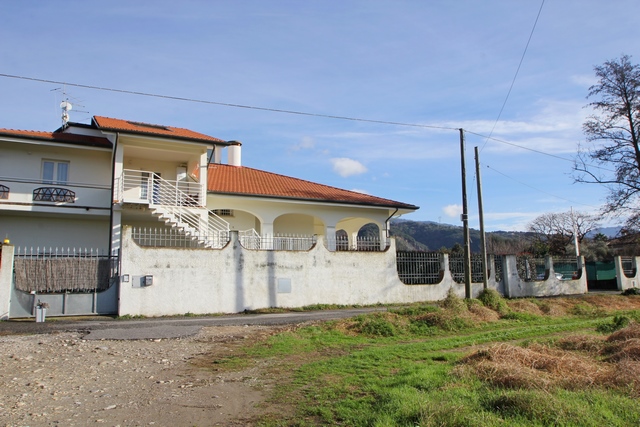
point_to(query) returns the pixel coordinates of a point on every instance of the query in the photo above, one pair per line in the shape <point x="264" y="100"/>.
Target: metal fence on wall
<point x="456" y="266"/>
<point x="419" y="268"/>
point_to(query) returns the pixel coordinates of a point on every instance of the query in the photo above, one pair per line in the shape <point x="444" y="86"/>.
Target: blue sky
<point x="437" y="64"/>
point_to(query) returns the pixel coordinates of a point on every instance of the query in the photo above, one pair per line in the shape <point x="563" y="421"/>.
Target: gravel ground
<point x="63" y="379"/>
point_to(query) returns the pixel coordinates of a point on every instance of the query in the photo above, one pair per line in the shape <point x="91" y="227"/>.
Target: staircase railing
<point x="249" y="239"/>
<point x="178" y="203"/>
<point x="147" y="187"/>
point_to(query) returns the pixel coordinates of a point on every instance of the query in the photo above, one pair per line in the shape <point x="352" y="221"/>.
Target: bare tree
<point x="614" y="133"/>
<point x="554" y="233"/>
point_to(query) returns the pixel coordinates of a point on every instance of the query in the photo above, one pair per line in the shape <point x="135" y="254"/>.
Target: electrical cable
<point x="276" y="110"/>
<point x="537" y="189"/>
<point x="225" y="104"/>
<point x="516" y="74"/>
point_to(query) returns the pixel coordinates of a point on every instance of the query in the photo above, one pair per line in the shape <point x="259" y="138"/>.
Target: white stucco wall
<point x="234" y="279"/>
<point x="625" y="282"/>
<point x="6" y="279"/>
<point x="89" y="176"/>
<point x="74" y="231"/>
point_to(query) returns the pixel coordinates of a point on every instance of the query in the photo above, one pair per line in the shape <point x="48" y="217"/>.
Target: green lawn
<point x="412" y="367"/>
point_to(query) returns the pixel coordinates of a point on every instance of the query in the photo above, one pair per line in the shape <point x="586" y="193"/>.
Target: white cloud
<point x="452" y="210"/>
<point x="345" y="167"/>
<point x="359" y="190"/>
<point x="307" y="143"/>
<point x="586" y="80"/>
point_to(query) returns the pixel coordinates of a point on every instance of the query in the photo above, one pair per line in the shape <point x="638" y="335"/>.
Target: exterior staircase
<point x="178" y="204"/>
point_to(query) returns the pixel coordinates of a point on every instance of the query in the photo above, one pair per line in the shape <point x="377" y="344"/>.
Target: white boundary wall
<point x="6" y="279"/>
<point x="625" y="282"/>
<point x="235" y="279"/>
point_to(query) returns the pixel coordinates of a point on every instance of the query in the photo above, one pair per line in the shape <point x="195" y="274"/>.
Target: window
<point x="223" y="212"/>
<point x="54" y="171"/>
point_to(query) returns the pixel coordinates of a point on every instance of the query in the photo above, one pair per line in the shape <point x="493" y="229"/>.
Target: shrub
<point x="453" y="302"/>
<point x="375" y="325"/>
<point x="492" y="299"/>
<point x="617" y="323"/>
<point x="631" y="291"/>
<point x="446" y="321"/>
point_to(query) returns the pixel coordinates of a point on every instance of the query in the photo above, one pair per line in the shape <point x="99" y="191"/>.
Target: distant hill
<point x="610" y="232"/>
<point x="432" y="236"/>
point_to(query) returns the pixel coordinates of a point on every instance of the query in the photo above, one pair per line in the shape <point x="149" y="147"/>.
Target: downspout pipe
<point x="113" y="191"/>
<point x="386" y="223"/>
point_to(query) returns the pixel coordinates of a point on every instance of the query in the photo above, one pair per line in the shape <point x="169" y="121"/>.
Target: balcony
<point x="26" y="194"/>
<point x="145" y="187"/>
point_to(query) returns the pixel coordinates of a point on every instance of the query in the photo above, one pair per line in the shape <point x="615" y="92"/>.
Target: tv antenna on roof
<point x="66" y="106"/>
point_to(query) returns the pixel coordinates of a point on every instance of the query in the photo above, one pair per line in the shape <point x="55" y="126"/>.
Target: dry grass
<point x="585" y="343"/>
<point x="573" y="363"/>
<point x="525" y="306"/>
<point x="624" y="345"/>
<point x="480" y="313"/>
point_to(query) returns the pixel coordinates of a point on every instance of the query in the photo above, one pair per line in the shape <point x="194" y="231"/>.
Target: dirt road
<point x="62" y="379"/>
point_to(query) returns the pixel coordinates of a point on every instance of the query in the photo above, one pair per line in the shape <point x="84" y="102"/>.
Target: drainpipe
<point x="113" y="191"/>
<point x="386" y="223"/>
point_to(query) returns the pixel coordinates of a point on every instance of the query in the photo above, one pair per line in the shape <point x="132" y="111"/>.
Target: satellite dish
<point x="66" y="105"/>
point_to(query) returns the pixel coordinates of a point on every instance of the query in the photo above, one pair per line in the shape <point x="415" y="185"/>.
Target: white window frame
<point x="55" y="172"/>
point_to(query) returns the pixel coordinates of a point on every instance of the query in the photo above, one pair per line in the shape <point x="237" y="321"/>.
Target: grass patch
<point x="461" y="363"/>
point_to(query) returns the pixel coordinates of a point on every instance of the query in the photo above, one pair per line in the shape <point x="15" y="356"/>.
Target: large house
<point x="172" y="229"/>
<point x="79" y="185"/>
<point x="117" y="187"/>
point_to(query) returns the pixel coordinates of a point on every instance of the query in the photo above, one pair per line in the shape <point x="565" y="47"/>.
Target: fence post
<point x="6" y="279"/>
<point x="510" y="275"/>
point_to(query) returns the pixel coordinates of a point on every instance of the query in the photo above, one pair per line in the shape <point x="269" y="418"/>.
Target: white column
<point x="118" y="169"/>
<point x="116" y="229"/>
<point x="330" y="233"/>
<point x="6" y="279"/>
<point x="266" y="231"/>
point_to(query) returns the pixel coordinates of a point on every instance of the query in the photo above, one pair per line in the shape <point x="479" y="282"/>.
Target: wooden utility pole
<point x="465" y="222"/>
<point x="483" y="242"/>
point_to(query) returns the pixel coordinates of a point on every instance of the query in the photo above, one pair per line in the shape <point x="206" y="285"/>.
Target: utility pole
<point x="575" y="233"/>
<point x="465" y="222"/>
<point x="483" y="242"/>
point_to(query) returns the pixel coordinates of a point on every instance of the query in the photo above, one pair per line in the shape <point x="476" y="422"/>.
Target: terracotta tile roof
<point x="240" y="180"/>
<point x="65" y="138"/>
<point x="109" y="124"/>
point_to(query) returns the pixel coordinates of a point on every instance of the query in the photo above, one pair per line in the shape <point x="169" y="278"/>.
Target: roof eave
<point x="400" y="206"/>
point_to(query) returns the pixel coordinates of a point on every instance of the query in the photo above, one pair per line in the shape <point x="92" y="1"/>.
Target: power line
<point x="534" y="150"/>
<point x="516" y="74"/>
<point x="276" y="110"/>
<point x="537" y="189"/>
<point x="225" y="104"/>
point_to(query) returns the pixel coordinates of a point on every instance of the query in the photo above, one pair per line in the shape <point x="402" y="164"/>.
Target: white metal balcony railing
<point x="250" y="239"/>
<point x="148" y="187"/>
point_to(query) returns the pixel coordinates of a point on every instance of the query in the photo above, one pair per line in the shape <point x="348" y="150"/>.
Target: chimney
<point x="235" y="153"/>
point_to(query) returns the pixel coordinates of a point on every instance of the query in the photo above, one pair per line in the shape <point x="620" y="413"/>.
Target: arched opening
<point x="360" y="234"/>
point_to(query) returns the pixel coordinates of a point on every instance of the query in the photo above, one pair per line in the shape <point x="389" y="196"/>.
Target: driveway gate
<point x="71" y="282"/>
